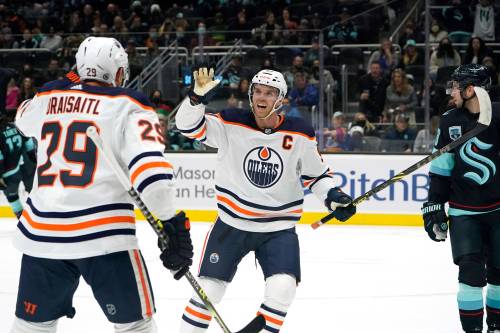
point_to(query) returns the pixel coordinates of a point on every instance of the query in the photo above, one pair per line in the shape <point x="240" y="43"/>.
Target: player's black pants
<point x="475" y="243"/>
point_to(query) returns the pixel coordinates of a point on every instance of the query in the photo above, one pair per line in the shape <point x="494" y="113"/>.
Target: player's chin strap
<point x="274" y="109"/>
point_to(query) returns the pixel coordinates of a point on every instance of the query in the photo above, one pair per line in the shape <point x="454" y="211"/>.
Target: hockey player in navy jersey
<point x="467" y="179"/>
<point x="17" y="163"/>
<point x="263" y="161"/>
<point x="78" y="220"/>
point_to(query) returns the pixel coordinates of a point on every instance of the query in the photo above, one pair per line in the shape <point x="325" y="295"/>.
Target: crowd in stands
<point x="389" y="84"/>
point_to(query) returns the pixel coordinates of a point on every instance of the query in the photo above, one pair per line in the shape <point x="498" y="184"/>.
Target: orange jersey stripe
<point x="199" y="135"/>
<point x="271" y="319"/>
<point x="77" y="226"/>
<point x="277" y="131"/>
<point x="248" y="212"/>
<point x="50" y="92"/>
<point x="198" y="314"/>
<point x="138" y="261"/>
<point x="149" y="165"/>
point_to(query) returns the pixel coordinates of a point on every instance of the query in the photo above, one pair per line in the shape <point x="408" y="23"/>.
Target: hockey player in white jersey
<point x="78" y="220"/>
<point x="264" y="159"/>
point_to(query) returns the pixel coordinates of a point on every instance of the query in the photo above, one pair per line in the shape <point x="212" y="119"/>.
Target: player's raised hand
<point x="204" y="86"/>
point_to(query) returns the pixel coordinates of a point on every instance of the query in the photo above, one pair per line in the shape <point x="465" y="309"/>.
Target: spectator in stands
<point x="458" y="16"/>
<point x="12" y="97"/>
<point x="360" y="120"/>
<point x="166" y="31"/>
<point x="438" y="100"/>
<point x="158" y="102"/>
<point x="336" y="137"/>
<point x="484" y="20"/>
<point x="242" y="93"/>
<point x="400" y="95"/>
<point x="385" y="56"/>
<point x="289" y="27"/>
<point x="27" y="90"/>
<point x="235" y="72"/>
<point x="137" y="29"/>
<point x="52" y="41"/>
<point x="411" y="55"/>
<point x="218" y="29"/>
<point x="240" y="27"/>
<point x="135" y="61"/>
<point x="488" y="62"/>
<point x="120" y="30"/>
<point x="53" y="72"/>
<point x="303" y="36"/>
<point x="34" y="74"/>
<point x="344" y="31"/>
<point x="6" y="39"/>
<point x="233" y="104"/>
<point x="312" y="54"/>
<point x="27" y="42"/>
<point x="437" y="32"/>
<point x="410" y="32"/>
<point x="329" y="82"/>
<point x="156" y="16"/>
<point x="270" y="32"/>
<point x="445" y="55"/>
<point x="400" y="137"/>
<point x="268" y="64"/>
<point x="303" y="94"/>
<point x="424" y="142"/>
<point x="109" y="15"/>
<point x="297" y="67"/>
<point x="75" y="24"/>
<point x="476" y="51"/>
<point x="163" y="120"/>
<point x="372" y="89"/>
<point x="88" y="18"/>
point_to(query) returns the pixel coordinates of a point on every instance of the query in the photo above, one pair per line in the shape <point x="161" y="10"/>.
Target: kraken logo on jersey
<point x="469" y="154"/>
<point x="263" y="166"/>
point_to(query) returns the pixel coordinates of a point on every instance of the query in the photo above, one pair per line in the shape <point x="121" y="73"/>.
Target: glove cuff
<point x="194" y="98"/>
<point x="430" y="207"/>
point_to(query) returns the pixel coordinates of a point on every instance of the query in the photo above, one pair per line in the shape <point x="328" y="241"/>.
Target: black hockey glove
<point x="435" y="221"/>
<point x="178" y="255"/>
<point x="204" y="86"/>
<point x="340" y="204"/>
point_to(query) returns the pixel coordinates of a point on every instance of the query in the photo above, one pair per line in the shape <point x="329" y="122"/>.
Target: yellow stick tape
<point x="310" y="217"/>
<point x="307" y="217"/>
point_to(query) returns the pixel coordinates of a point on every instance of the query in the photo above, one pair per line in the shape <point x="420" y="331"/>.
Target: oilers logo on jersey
<point x="263" y="166"/>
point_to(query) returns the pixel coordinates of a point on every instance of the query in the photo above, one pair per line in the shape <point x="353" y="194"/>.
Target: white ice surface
<point x="354" y="279"/>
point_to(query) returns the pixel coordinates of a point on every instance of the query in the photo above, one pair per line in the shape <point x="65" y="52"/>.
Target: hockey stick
<point x="256" y="325"/>
<point x="482" y="124"/>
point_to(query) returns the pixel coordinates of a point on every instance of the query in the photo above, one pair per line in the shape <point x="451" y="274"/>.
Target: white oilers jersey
<point x="77" y="207"/>
<point x="260" y="174"/>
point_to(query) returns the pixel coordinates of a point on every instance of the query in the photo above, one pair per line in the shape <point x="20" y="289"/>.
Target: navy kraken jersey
<point x="12" y="146"/>
<point x="471" y="168"/>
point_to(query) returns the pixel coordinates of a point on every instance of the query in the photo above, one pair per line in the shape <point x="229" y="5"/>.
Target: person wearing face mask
<point x="437" y="34"/>
<point x="445" y="55"/>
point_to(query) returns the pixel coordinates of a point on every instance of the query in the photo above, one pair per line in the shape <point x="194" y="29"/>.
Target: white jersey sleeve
<point x="26" y="117"/>
<point x="316" y="175"/>
<point x="141" y="146"/>
<point x="194" y="123"/>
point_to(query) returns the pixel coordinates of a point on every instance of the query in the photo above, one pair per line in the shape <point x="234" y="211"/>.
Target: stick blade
<point x="255" y="326"/>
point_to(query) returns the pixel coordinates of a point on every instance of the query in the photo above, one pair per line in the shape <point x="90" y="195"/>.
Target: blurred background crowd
<point x="369" y="97"/>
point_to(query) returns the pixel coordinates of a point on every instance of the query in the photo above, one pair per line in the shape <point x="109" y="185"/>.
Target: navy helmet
<point x="470" y="74"/>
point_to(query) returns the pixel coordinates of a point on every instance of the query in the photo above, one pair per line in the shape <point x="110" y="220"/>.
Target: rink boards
<point x="399" y="204"/>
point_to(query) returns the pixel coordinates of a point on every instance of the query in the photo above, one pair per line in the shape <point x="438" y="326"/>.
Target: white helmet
<point x="99" y="58"/>
<point x="273" y="79"/>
